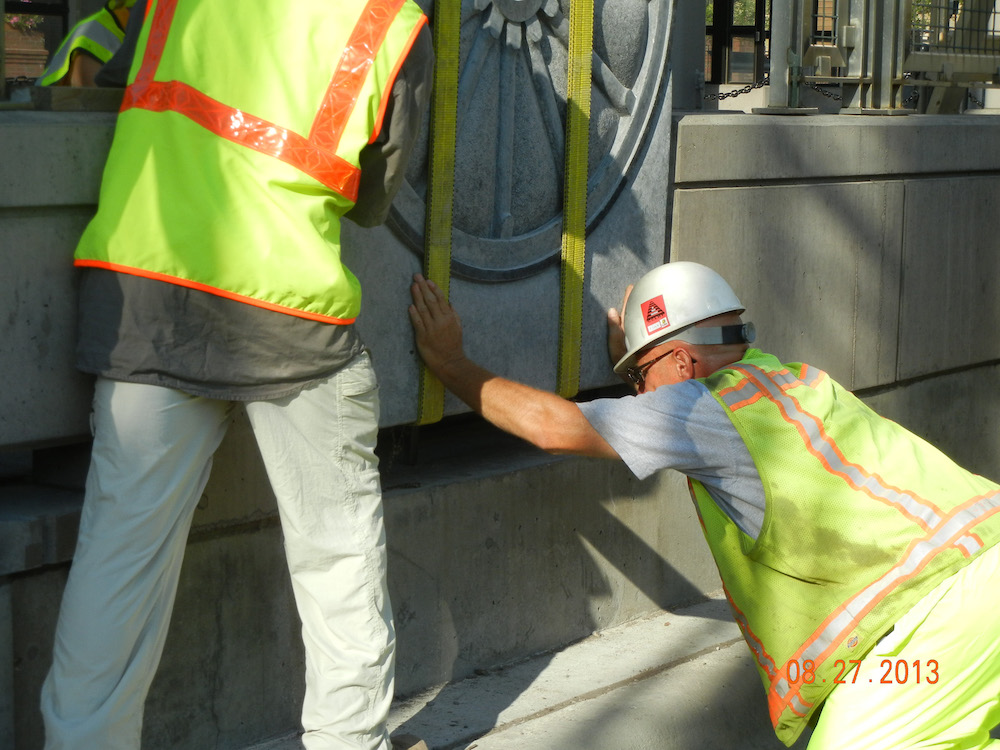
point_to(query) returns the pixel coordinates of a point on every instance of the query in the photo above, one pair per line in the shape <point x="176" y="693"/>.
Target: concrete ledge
<point x="735" y="148"/>
<point x="38" y="526"/>
<point x="39" y="522"/>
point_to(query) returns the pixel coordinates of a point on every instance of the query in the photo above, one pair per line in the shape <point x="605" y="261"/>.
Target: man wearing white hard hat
<point x="844" y="542"/>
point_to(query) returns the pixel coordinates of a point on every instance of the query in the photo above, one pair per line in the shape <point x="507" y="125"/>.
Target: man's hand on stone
<point x="436" y="325"/>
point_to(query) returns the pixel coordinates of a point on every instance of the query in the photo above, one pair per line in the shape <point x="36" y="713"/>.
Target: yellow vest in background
<point x="237" y="147"/>
<point x="100" y="34"/>
<point x="862" y="519"/>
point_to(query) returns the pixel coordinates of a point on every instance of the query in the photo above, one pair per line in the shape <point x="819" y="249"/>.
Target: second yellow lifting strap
<point x="441" y="180"/>
<point x="573" y="266"/>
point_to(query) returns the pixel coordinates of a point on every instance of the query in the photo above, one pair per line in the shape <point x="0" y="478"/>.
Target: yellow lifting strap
<point x="578" y="85"/>
<point x="441" y="185"/>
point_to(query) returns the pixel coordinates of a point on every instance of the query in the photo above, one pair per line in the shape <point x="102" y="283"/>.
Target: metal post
<point x="782" y="25"/>
<point x="855" y="38"/>
<point x="899" y="51"/>
<point x="885" y="28"/>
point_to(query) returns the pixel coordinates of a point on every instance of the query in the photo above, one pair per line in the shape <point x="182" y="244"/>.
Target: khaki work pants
<point x="152" y="455"/>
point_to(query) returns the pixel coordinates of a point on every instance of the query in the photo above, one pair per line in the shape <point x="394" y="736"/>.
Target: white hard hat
<point x="669" y="300"/>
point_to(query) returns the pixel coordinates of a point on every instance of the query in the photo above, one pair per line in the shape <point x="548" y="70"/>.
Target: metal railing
<point x="885" y="56"/>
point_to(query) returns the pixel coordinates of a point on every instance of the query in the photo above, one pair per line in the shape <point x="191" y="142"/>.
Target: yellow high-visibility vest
<point x="237" y="147"/>
<point x="862" y="519"/>
<point x="100" y="34"/>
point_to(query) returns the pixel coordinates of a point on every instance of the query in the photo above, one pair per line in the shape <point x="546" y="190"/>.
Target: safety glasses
<point x="637" y="373"/>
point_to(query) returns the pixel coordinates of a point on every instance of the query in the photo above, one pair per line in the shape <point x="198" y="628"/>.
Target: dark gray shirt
<point x="147" y="331"/>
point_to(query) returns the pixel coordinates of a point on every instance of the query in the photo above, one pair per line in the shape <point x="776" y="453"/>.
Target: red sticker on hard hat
<point x="654" y="313"/>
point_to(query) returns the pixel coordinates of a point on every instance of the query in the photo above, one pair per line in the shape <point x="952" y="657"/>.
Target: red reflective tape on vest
<point x="355" y="62"/>
<point x="387" y="93"/>
<point x="315" y="155"/>
<point x="163" y="16"/>
<point x="246" y="130"/>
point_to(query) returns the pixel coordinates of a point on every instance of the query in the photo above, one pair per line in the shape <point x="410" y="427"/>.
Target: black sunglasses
<point x="637" y="373"/>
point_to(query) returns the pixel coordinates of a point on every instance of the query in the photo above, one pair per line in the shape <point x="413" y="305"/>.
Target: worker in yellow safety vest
<point x="860" y="562"/>
<point x="211" y="278"/>
<point x="88" y="46"/>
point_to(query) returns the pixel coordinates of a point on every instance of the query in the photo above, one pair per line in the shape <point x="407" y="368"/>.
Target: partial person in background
<point x="212" y="278"/>
<point x="88" y="46"/>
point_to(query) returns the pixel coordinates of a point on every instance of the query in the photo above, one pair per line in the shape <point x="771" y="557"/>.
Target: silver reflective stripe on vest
<point x="784" y="378"/>
<point x="94" y="30"/>
<point x="821" y="446"/>
<point x="799" y="706"/>
<point x="946" y="536"/>
<point x="765" y="661"/>
<point x="970" y="545"/>
<point x="811" y="375"/>
<point x="742" y="395"/>
<point x="747" y="392"/>
<point x="781" y="687"/>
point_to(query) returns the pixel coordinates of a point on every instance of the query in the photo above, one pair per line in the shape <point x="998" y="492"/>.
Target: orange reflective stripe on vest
<point x="347" y="81"/>
<point x="823" y="447"/>
<point x="314" y="154"/>
<point x="756" y="645"/>
<point x="952" y="532"/>
<point x="944" y="529"/>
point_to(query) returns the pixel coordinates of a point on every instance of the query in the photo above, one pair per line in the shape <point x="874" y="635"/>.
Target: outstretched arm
<point x="542" y="418"/>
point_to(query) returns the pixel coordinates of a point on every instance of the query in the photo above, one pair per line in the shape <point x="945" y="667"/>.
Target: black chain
<point x="761" y="83"/>
<point x="737" y="92"/>
<point x="824" y="92"/>
<point x="914" y="95"/>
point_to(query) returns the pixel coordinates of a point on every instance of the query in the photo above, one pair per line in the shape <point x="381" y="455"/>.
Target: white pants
<point x="151" y="459"/>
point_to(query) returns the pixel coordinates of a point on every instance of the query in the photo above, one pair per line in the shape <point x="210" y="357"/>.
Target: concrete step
<point x="681" y="680"/>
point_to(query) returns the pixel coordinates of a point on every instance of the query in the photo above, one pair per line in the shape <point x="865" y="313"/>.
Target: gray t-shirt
<point x="683" y="427"/>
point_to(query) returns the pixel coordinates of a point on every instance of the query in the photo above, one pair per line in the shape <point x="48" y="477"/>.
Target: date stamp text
<point x="893" y="672"/>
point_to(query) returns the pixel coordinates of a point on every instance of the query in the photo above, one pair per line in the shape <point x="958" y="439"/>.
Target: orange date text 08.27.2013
<point x="893" y="671"/>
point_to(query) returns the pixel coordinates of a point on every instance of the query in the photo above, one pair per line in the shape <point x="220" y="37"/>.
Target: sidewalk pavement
<point x="681" y="680"/>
